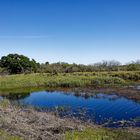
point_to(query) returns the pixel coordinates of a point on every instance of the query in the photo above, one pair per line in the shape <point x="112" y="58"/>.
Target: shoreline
<point x="126" y="91"/>
<point x="32" y="124"/>
<point x="27" y="123"/>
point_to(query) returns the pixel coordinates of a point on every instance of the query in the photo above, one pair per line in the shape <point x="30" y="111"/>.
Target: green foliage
<point x="100" y="134"/>
<point x="15" y="64"/>
<point x="70" y="80"/>
<point x="133" y="76"/>
<point x="133" y="67"/>
<point x="60" y="80"/>
<point x="107" y="66"/>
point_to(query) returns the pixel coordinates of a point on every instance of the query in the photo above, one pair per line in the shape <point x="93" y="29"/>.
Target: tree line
<point x="17" y="64"/>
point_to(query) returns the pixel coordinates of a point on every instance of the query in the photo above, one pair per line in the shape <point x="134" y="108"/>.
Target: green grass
<point x="70" y="80"/>
<point x="5" y="136"/>
<point x="61" y="80"/>
<point x="100" y="134"/>
<point x="126" y="75"/>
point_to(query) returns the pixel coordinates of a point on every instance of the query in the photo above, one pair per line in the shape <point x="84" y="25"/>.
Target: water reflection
<point x="106" y="109"/>
<point x="15" y="96"/>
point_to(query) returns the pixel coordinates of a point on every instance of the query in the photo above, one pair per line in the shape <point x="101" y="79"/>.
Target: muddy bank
<point x="33" y="125"/>
<point x="128" y="92"/>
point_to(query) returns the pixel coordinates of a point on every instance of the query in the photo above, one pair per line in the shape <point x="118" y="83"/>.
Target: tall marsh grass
<point x="60" y="80"/>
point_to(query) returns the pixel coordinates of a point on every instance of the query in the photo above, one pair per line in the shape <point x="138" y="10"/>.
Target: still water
<point x="106" y="109"/>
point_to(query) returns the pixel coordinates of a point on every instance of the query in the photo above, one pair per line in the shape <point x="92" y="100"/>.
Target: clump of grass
<point x="106" y="80"/>
<point x="5" y="136"/>
<point x="4" y="103"/>
<point x="100" y="134"/>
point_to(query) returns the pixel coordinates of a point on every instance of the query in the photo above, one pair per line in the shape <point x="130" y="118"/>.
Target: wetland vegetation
<point x="18" y="71"/>
<point x="20" y="77"/>
<point x="18" y="123"/>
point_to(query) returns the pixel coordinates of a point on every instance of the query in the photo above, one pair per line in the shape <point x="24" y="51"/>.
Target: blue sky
<point x="80" y="31"/>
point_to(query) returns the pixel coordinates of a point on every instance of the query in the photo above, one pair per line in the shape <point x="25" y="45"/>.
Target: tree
<point x="16" y="63"/>
<point x="133" y="67"/>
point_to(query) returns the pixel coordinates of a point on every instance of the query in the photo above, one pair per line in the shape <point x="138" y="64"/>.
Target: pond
<point x="108" y="110"/>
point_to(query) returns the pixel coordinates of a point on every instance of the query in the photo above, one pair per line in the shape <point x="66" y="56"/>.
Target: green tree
<point x="16" y="63"/>
<point x="133" y="67"/>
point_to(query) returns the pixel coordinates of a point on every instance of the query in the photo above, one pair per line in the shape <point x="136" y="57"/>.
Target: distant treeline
<point x="15" y="64"/>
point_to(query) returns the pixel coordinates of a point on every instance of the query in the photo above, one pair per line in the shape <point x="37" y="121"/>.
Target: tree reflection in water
<point x="15" y="96"/>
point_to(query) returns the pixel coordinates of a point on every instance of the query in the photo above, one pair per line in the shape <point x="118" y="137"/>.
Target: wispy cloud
<point x="24" y="37"/>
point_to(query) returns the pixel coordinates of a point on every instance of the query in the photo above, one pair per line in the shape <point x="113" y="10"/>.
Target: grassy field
<point x="100" y="134"/>
<point x="69" y="80"/>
